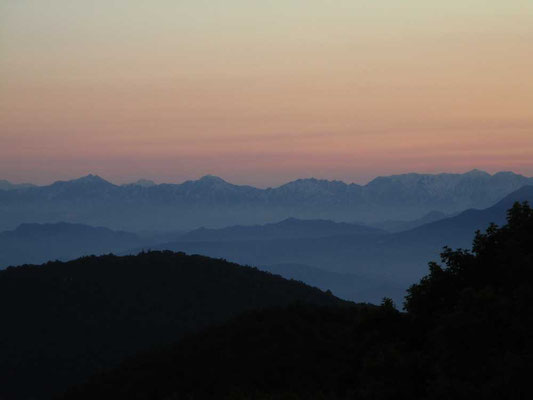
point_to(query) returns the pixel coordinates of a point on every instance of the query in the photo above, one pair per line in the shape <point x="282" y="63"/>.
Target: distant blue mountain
<point x="354" y="261"/>
<point x="6" y="185"/>
<point x="141" y="182"/>
<point x="38" y="243"/>
<point x="400" y="257"/>
<point x="398" y="226"/>
<point x="213" y="202"/>
<point x="457" y="231"/>
<point x="290" y="228"/>
<point x="346" y="286"/>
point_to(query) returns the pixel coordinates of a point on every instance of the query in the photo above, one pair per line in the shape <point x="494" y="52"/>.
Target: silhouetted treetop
<point x="467" y="335"/>
<point x="143" y="323"/>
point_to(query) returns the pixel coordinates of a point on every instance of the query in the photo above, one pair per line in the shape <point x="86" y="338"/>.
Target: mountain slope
<point x="456" y="230"/>
<point x="467" y="333"/>
<point x="37" y="243"/>
<point x="64" y="321"/>
<point x="290" y="228"/>
<point x="399" y="258"/>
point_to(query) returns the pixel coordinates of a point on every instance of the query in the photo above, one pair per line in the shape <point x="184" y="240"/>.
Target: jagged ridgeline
<point x="211" y="201"/>
<point x="62" y="322"/>
<point x="467" y="334"/>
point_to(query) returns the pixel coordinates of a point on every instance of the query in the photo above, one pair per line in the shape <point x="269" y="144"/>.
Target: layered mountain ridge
<point x="355" y="262"/>
<point x="213" y="202"/>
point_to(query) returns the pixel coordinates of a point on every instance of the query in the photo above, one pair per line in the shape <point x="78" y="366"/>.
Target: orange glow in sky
<point x="264" y="92"/>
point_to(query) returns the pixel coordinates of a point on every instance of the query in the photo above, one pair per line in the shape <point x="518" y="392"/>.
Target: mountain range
<point x="215" y="203"/>
<point x="355" y="262"/>
<point x="386" y="260"/>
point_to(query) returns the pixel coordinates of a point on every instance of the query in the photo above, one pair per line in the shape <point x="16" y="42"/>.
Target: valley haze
<point x="410" y="218"/>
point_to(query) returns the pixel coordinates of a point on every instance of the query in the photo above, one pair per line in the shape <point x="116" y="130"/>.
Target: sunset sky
<point x="263" y="92"/>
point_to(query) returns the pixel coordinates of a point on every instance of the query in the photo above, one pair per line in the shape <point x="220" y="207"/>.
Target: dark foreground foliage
<point x="467" y="334"/>
<point x="62" y="322"/>
<point x="474" y="318"/>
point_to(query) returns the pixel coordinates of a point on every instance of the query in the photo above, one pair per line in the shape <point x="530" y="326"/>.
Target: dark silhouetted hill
<point x="467" y="334"/>
<point x="62" y="322"/>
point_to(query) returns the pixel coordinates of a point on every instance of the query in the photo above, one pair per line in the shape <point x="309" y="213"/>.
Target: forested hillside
<point x="467" y="334"/>
<point x="62" y="322"/>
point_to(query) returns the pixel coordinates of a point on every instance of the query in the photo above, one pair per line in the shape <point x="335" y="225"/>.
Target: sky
<point x="263" y="92"/>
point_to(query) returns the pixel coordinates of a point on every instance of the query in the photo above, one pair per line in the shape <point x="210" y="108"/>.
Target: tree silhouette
<point x="467" y="332"/>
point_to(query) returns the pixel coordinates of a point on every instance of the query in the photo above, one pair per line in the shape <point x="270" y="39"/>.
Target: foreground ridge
<point x="62" y="322"/>
<point x="467" y="333"/>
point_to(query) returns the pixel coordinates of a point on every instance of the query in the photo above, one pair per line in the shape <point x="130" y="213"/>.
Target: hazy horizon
<point x="264" y="92"/>
<point x="157" y="180"/>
